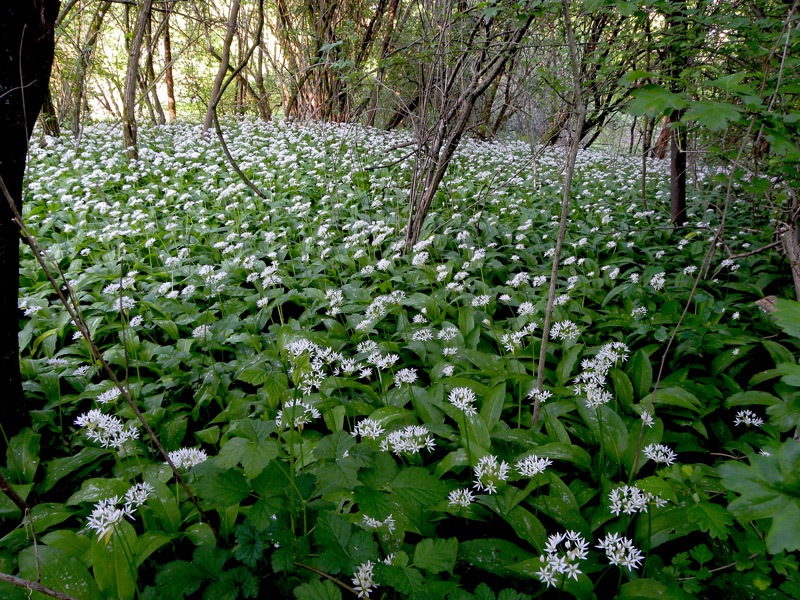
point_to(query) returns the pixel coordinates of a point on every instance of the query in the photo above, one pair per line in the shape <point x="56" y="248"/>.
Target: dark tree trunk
<point x="677" y="179"/>
<point x="26" y="56"/>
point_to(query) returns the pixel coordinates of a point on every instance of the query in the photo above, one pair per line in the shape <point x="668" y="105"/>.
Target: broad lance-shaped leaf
<point x="769" y="488"/>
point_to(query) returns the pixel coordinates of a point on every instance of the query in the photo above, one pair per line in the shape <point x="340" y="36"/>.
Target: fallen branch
<point x="33" y="586"/>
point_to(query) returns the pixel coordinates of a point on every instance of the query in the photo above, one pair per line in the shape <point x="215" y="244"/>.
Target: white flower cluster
<point x="659" y="453"/>
<point x="463" y="398"/>
<point x="187" y="457"/>
<point x="379" y="307"/>
<point x="460" y="498"/>
<point x="367" y="428"/>
<point x="748" y="417"/>
<point x="562" y="553"/>
<point x="363" y="581"/>
<point x="564" y="330"/>
<point x="298" y="413"/>
<point x="629" y="499"/>
<point x="106" y="514"/>
<point x="532" y="465"/>
<point x="590" y="383"/>
<point x="410" y="439"/>
<point x="621" y="551"/>
<point x="373" y="524"/>
<point x="108" y="430"/>
<point x="489" y="472"/>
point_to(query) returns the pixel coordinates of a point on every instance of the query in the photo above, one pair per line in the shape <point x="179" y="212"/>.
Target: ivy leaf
<point x="769" y="488"/>
<point x="437" y="555"/>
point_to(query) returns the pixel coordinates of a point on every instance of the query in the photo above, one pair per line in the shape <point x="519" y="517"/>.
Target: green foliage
<point x="328" y="380"/>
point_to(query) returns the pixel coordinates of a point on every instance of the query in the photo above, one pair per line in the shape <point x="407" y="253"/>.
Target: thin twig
<point x="34" y="587"/>
<point x="13" y="495"/>
<point x="338" y="582"/>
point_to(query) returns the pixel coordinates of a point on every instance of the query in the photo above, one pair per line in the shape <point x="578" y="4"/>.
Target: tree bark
<point x="82" y="66"/>
<point x="26" y="57"/>
<point x="168" y="77"/>
<point x="129" y="105"/>
<point x="223" y="67"/>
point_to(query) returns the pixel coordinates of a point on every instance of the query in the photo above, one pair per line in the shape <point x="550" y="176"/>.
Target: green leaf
<point x="251" y="447"/>
<point x="318" y="590"/>
<point x="641" y="373"/>
<point x="436" y="555"/>
<point x="223" y="488"/>
<point x="58" y="570"/>
<point x="179" y="579"/>
<point x="492" y="405"/>
<point x="650" y="589"/>
<point x="415" y="487"/>
<point x="713" y="115"/>
<point x="787" y="316"/>
<point x="23" y="456"/>
<point x="711" y="518"/>
<point x="674" y="396"/>
<point x="623" y="388"/>
<point x="493" y="555"/>
<point x="61" y="467"/>
<point x="113" y="571"/>
<point x="751" y="397"/>
<point x="653" y="100"/>
<point x="95" y="489"/>
<point x="769" y="488"/>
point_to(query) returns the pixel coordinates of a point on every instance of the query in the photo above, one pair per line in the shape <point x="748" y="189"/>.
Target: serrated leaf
<point x="653" y="100"/>
<point x="318" y="590"/>
<point x="416" y="487"/>
<point x="437" y="555"/>
<point x="223" y="488"/>
<point x="714" y="116"/>
<point x="711" y="518"/>
<point x="768" y="489"/>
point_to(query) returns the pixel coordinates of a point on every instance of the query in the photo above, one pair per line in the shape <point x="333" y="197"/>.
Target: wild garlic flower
<point x="660" y="453"/>
<point x="658" y="280"/>
<point x="748" y="417"/>
<point x="629" y="500"/>
<point x="647" y="418"/>
<point x="367" y="428"/>
<point x="562" y="553"/>
<point x="373" y="524"/>
<point x="108" y="396"/>
<point x="532" y="465"/>
<point x="106" y="514"/>
<point x="463" y="399"/>
<point x="564" y="330"/>
<point x="108" y="430"/>
<point x="298" y="412"/>
<point x="405" y="376"/>
<point x="187" y="457"/>
<point x="621" y="551"/>
<point x="363" y="581"/>
<point x="201" y="331"/>
<point x="489" y="472"/>
<point x="461" y="498"/>
<point x="409" y="440"/>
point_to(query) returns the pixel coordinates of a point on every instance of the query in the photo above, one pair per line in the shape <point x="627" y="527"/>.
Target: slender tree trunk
<point x="677" y="173"/>
<point x="223" y="67"/>
<point x="129" y="96"/>
<point x="150" y="77"/>
<point x="263" y="100"/>
<point x="26" y="57"/>
<point x="50" y="124"/>
<point x="168" y="78"/>
<point x="82" y="66"/>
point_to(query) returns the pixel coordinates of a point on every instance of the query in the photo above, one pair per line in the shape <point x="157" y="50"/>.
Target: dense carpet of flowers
<point x="345" y="406"/>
